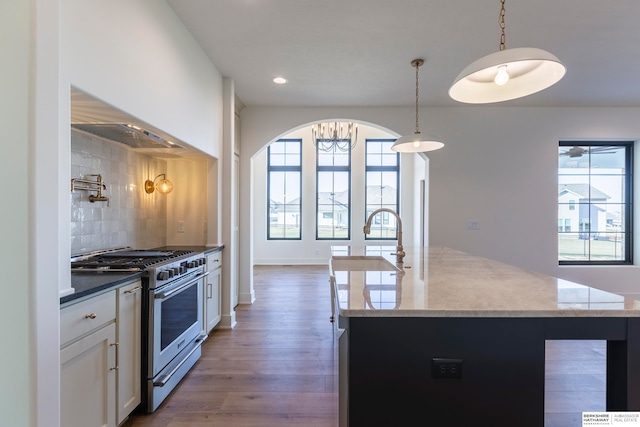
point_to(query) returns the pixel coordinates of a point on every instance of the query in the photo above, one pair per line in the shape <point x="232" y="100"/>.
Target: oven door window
<point x="178" y="314"/>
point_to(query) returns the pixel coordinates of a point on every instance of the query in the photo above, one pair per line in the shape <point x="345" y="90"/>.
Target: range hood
<point x="126" y="133"/>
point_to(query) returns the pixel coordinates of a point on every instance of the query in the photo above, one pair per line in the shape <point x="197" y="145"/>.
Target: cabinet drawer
<point x="79" y="319"/>
<point x="214" y="261"/>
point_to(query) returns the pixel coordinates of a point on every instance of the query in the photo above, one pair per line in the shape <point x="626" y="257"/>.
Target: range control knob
<point x="176" y="271"/>
<point x="163" y="275"/>
<point x="192" y="264"/>
<point x="201" y="261"/>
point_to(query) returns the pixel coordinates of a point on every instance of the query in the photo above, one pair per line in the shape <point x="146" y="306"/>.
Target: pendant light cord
<point x="503" y="38"/>
<point x="417" y="63"/>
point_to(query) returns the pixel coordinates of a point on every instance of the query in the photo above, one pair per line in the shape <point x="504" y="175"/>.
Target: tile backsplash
<point x="132" y="217"/>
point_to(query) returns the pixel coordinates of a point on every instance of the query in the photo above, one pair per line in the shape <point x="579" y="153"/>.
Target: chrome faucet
<point x="399" y="250"/>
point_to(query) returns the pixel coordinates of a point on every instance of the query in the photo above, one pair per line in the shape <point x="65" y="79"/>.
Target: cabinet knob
<point x="90" y="316"/>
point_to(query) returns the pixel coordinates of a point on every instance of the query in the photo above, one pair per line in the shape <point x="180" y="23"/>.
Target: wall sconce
<point x="164" y="185"/>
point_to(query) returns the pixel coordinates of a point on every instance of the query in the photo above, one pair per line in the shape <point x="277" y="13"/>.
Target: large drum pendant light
<point x="507" y="74"/>
<point x="417" y="142"/>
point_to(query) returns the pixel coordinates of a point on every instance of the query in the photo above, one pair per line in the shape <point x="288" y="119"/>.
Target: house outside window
<point x="284" y="181"/>
<point x="333" y="193"/>
<point x="595" y="195"/>
<point x="382" y="181"/>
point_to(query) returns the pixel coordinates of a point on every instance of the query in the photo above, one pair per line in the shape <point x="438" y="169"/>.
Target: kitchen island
<point x="450" y="339"/>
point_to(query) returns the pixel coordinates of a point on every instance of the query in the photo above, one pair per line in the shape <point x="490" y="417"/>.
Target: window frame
<point x="333" y="169"/>
<point x="283" y="168"/>
<point x="627" y="241"/>
<point x="380" y="168"/>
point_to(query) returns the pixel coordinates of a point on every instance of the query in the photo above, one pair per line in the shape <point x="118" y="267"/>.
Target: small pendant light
<point x="507" y="74"/>
<point x="417" y="142"/>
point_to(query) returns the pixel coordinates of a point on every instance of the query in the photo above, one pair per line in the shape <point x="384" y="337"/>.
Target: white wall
<point x="138" y="57"/>
<point x="16" y="386"/>
<point x="420" y="198"/>
<point x="499" y="166"/>
<point x="135" y="55"/>
<point x="187" y="203"/>
<point x="308" y="250"/>
<point x="29" y="167"/>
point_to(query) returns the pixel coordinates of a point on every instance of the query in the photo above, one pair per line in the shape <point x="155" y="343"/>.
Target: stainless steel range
<point x="172" y="311"/>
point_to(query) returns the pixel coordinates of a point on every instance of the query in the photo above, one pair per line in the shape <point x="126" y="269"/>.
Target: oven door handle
<point x="164" y="379"/>
<point x="164" y="295"/>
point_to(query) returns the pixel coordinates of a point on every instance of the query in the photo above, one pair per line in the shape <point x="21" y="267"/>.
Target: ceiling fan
<point x="577" y="151"/>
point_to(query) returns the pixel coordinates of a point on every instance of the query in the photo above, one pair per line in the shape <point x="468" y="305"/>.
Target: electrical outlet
<point x="446" y="368"/>
<point x="180" y="227"/>
<point x="473" y="224"/>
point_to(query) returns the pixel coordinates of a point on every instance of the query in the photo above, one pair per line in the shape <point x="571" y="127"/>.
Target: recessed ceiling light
<point x="280" y="80"/>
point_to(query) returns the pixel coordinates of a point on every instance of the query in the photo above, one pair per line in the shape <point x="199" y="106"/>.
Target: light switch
<point x="180" y="227"/>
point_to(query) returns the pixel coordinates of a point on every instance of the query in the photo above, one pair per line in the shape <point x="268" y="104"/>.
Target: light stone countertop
<point x="443" y="282"/>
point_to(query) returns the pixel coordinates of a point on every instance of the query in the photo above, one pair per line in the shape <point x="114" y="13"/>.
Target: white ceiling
<point x="358" y="52"/>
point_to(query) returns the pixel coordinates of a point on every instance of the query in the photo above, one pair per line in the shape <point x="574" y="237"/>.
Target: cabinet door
<point x="129" y="349"/>
<point x="88" y="380"/>
<point x="212" y="300"/>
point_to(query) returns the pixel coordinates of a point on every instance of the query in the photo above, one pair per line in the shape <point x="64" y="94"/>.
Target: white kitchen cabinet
<point x="88" y="363"/>
<point x="212" y="309"/>
<point x="100" y="357"/>
<point x="129" y="331"/>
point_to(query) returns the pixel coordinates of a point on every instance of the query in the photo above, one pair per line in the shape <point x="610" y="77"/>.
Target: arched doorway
<point x="257" y="249"/>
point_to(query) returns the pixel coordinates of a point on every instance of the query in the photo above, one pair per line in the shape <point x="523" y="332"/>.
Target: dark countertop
<point x="88" y="283"/>
<point x="204" y="249"/>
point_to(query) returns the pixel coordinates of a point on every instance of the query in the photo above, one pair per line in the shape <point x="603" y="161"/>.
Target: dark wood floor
<point x="575" y="381"/>
<point x="278" y="367"/>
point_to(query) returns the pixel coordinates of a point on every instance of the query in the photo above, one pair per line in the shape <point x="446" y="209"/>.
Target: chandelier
<point x="336" y="136"/>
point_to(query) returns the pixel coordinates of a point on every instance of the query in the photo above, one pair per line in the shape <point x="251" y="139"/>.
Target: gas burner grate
<point x="130" y="259"/>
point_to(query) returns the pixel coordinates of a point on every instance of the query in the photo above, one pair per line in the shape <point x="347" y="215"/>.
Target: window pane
<point x="285" y="153"/>
<point x="606" y="158"/>
<point x="382" y="177"/>
<point x="277" y="159"/>
<point x="595" y="177"/>
<point x="334" y="157"/>
<point x="333" y="205"/>
<point x="608" y="187"/>
<point x="283" y="191"/>
<point x="284" y="205"/>
<point x="293" y="147"/>
<point x="277" y="147"/>
<point x="390" y="159"/>
<point x="381" y="193"/>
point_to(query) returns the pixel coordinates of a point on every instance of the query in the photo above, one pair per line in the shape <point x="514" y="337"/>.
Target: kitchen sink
<point x="361" y="263"/>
